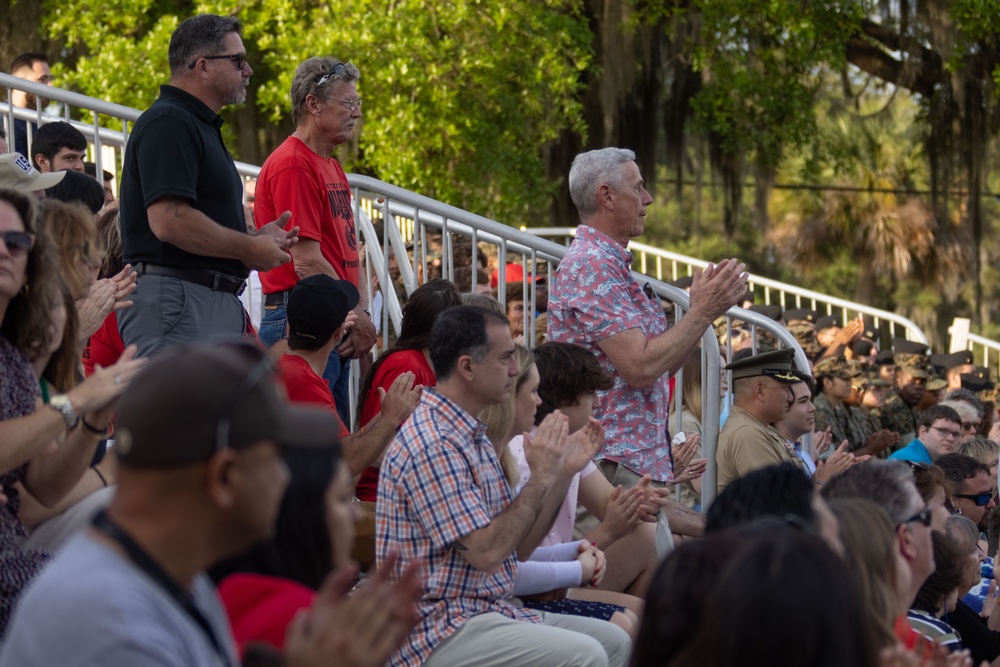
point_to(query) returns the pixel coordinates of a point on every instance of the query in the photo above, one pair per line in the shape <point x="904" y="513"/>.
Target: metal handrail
<point x="421" y="213"/>
<point x="799" y="294"/>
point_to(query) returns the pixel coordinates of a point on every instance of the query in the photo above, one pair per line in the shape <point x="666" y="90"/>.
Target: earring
<point x="958" y="510"/>
<point x="25" y="290"/>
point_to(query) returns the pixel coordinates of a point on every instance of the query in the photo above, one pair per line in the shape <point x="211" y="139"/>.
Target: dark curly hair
<point x="29" y="313"/>
<point x="566" y="373"/>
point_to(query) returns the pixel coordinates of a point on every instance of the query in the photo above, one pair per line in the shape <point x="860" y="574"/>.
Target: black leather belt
<point x="276" y="298"/>
<point x="217" y="282"/>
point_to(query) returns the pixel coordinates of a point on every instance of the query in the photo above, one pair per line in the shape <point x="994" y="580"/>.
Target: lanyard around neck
<point x="103" y="524"/>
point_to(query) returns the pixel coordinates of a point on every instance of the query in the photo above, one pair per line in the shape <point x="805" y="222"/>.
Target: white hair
<point x="590" y="170"/>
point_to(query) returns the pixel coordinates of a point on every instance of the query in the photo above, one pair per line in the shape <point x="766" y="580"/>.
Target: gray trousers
<point x="168" y="312"/>
<point x="493" y="640"/>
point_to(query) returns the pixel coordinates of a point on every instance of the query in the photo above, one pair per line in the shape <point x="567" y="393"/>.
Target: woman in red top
<point x="408" y="354"/>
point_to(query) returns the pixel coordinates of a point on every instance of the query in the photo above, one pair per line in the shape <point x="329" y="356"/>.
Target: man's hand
<point x="838" y="462"/>
<point x="362" y="630"/>
<point x="361" y="339"/>
<point x="265" y="253"/>
<point x="684" y="453"/>
<point x="882" y="440"/>
<point x="718" y="288"/>
<point x="276" y="230"/>
<point x="850" y="333"/>
<point x="401" y="400"/>
<point x="694" y="470"/>
<point x="822" y="440"/>
<point x="546" y="451"/>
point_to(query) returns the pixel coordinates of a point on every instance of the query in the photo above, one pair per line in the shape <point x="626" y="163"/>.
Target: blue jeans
<point x="274" y="327"/>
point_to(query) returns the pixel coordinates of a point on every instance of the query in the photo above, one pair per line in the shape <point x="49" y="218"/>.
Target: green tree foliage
<point x="460" y="96"/>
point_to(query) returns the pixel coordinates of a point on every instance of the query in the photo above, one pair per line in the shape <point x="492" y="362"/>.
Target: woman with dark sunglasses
<point x="44" y="448"/>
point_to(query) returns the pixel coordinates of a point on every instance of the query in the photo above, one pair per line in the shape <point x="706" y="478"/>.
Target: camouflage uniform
<point x="870" y="425"/>
<point x="895" y="414"/>
<point x="843" y="424"/>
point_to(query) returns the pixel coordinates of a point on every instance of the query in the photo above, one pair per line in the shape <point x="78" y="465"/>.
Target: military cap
<point x="916" y="365"/>
<point x="936" y="383"/>
<point x="835" y="367"/>
<point x="829" y="321"/>
<point x="983" y="372"/>
<point x="768" y="310"/>
<point x="975" y="383"/>
<point x="777" y="364"/>
<point x="862" y="348"/>
<point x="800" y="314"/>
<point x="909" y="346"/>
<point x="885" y="358"/>
<point x="870" y="331"/>
<point x="953" y="360"/>
<point x="872" y="376"/>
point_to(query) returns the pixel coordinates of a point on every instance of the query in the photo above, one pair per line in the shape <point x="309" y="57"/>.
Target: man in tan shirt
<point x="761" y="396"/>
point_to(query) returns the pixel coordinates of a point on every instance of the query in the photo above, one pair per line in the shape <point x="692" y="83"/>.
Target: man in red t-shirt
<point x="319" y="313"/>
<point x="301" y="177"/>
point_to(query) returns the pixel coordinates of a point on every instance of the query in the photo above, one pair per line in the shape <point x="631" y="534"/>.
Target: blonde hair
<point x="691" y="384"/>
<point x="869" y="539"/>
<point x="499" y="418"/>
<point x="74" y="232"/>
<point x="982" y="449"/>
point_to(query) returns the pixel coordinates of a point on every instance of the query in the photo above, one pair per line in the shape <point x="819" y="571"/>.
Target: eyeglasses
<point x="338" y="69"/>
<point x="917" y="465"/>
<point x="353" y="104"/>
<point x="969" y="426"/>
<point x="947" y="432"/>
<point x="923" y="516"/>
<point x="239" y="58"/>
<point x="257" y="374"/>
<point x="981" y="499"/>
<point x="18" y="243"/>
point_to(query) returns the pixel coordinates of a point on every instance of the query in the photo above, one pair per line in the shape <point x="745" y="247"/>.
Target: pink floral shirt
<point x="594" y="296"/>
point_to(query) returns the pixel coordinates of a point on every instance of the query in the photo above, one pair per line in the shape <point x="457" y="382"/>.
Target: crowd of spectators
<point x="177" y="490"/>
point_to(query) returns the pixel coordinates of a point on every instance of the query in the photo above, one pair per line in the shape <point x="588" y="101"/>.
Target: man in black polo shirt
<point x="183" y="226"/>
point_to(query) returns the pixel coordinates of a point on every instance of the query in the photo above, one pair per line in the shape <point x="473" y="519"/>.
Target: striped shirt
<point x="440" y="481"/>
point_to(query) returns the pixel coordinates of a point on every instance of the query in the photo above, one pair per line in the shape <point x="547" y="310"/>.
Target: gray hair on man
<point x="199" y="36"/>
<point x="886" y="483"/>
<point x="307" y="78"/>
<point x="590" y="170"/>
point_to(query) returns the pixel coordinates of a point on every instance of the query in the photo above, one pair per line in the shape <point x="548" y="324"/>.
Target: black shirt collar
<point x="197" y="107"/>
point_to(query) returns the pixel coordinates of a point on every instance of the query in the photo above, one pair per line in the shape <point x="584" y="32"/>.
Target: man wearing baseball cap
<point x="761" y="396"/>
<point x="201" y="479"/>
<point x="319" y="312"/>
<point x="16" y="172"/>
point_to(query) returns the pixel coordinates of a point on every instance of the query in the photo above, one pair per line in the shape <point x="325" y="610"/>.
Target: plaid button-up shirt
<point x="440" y="481"/>
<point x="594" y="297"/>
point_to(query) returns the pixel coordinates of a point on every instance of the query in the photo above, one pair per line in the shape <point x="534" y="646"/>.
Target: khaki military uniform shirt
<point x="745" y="445"/>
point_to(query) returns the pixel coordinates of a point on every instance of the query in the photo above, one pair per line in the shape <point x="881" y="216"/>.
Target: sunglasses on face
<point x="981" y="499"/>
<point x="18" y="243"/>
<point x="923" y="516"/>
<point x="239" y="58"/>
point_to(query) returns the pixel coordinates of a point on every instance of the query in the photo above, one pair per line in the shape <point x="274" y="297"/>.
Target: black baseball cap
<point x="319" y="304"/>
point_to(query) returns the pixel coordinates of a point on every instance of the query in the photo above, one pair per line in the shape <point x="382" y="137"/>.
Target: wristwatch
<point x="62" y="404"/>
